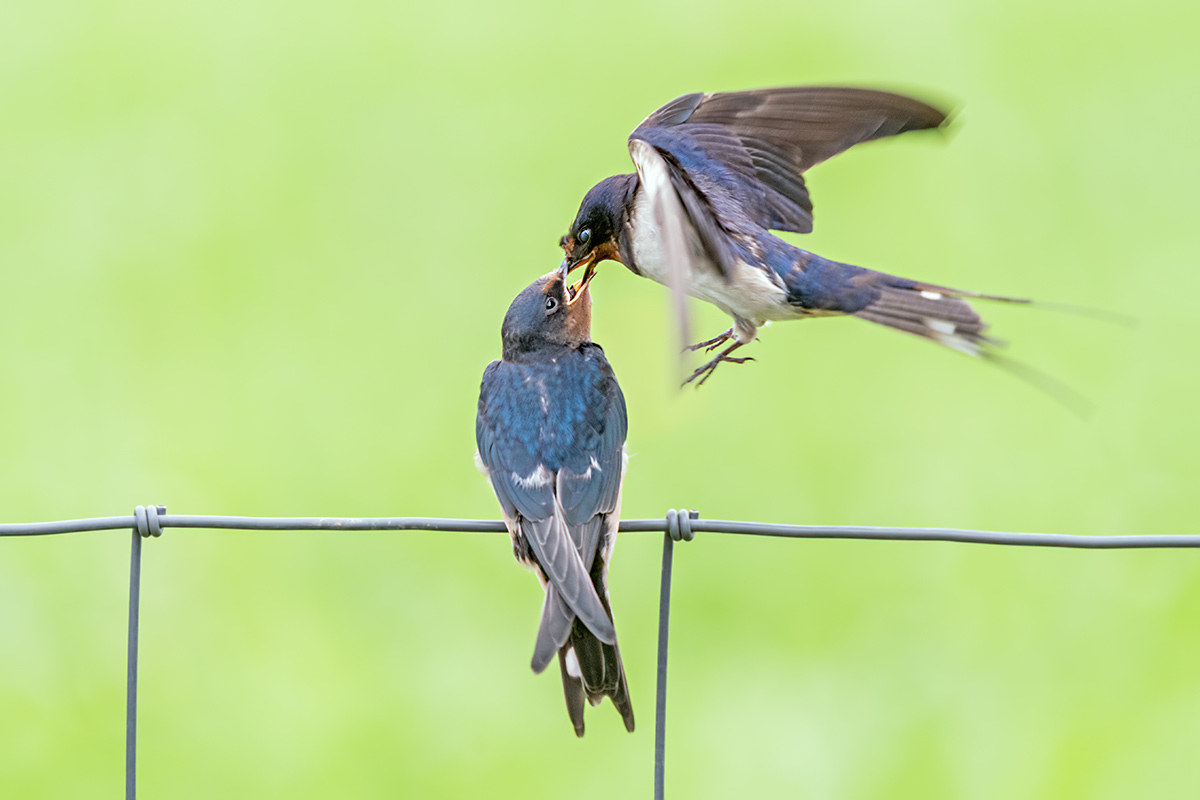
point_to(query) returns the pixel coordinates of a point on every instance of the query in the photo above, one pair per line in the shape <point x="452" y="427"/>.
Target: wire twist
<point x="679" y="524"/>
<point x="145" y="519"/>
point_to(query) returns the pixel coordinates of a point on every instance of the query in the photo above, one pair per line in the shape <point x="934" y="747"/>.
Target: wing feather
<point x="555" y="549"/>
<point x="768" y="138"/>
<point x="536" y="491"/>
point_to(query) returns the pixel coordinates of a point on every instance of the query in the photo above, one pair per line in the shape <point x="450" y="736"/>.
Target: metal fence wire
<point x="678" y="525"/>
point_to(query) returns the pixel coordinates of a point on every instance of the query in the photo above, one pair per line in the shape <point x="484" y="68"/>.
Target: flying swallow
<point x="551" y="435"/>
<point x="716" y="173"/>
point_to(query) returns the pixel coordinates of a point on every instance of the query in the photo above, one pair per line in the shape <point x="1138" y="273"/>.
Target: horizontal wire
<point x="660" y="525"/>
<point x="960" y="535"/>
<point x="66" y="526"/>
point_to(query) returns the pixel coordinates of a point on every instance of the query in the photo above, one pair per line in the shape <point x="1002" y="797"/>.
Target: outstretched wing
<point x="758" y="144"/>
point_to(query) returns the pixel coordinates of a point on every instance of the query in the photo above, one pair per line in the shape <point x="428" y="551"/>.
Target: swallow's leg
<point x="710" y="344"/>
<point x="708" y="369"/>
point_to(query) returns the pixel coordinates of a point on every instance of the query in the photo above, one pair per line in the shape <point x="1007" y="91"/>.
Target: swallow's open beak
<point x="576" y="291"/>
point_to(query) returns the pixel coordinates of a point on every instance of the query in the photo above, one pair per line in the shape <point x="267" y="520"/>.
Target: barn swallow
<point x="551" y="435"/>
<point x="716" y="173"/>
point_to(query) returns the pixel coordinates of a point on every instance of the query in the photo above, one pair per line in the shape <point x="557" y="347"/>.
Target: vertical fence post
<point x="679" y="528"/>
<point x="145" y="524"/>
<point x="135" y="576"/>
<point x="660" y="707"/>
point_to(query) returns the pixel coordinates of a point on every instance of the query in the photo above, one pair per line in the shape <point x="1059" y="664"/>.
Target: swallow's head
<point x="547" y="314"/>
<point x="592" y="237"/>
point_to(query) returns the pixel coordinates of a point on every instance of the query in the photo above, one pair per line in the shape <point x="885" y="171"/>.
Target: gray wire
<point x="658" y="525"/>
<point x="131" y="667"/>
<point x="66" y="526"/>
<point x="960" y="535"/>
<point x="660" y="704"/>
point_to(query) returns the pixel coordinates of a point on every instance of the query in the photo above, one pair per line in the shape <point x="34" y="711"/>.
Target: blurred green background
<point x="254" y="259"/>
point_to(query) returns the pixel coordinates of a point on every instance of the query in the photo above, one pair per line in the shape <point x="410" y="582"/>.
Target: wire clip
<point x="679" y="524"/>
<point x="146" y="519"/>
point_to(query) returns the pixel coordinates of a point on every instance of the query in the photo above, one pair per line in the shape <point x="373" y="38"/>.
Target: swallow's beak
<point x="589" y="272"/>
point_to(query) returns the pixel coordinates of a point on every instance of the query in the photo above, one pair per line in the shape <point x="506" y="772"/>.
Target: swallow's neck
<point x="534" y="350"/>
<point x="623" y="214"/>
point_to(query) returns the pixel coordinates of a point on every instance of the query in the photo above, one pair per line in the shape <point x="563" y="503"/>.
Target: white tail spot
<point x="932" y="295"/>
<point x="944" y="332"/>
<point x="573" y="664"/>
<point x="941" y="326"/>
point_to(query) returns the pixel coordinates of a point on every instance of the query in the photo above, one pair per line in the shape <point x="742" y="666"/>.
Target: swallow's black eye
<point x="551" y="305"/>
<point x="584" y="236"/>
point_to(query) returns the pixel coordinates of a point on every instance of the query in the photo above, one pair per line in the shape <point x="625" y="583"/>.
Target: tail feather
<point x="820" y="286"/>
<point x="591" y="669"/>
<point x="553" y="630"/>
<point x="934" y="312"/>
<point x="572" y="687"/>
<point x="940" y="313"/>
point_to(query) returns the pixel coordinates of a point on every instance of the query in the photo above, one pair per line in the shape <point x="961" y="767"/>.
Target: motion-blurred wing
<point x="662" y="183"/>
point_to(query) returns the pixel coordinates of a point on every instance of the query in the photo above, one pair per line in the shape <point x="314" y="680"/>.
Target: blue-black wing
<point x="757" y="145"/>
<point x="591" y="501"/>
<point x="551" y="437"/>
<point x="592" y="487"/>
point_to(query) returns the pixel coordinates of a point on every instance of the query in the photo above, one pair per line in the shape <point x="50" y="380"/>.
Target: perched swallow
<point x="551" y="435"/>
<point x="716" y="173"/>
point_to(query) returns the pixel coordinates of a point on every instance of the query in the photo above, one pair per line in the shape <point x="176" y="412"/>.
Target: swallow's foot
<point x="706" y="371"/>
<point x="709" y="345"/>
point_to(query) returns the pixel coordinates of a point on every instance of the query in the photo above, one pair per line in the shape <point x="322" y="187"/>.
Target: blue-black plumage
<point x="551" y="430"/>
<point x="716" y="173"/>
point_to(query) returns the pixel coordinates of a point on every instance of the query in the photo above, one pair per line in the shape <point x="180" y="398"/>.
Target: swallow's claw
<point x="706" y="371"/>
<point x="711" y="344"/>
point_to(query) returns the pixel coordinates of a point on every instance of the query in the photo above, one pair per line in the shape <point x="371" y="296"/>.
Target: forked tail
<point x="591" y="669"/>
<point x="943" y="315"/>
<point x="931" y="311"/>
